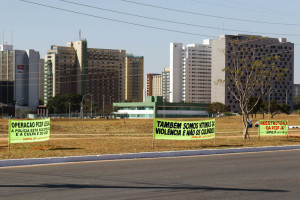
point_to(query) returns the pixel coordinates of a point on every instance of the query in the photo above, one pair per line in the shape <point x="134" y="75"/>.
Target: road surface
<point x="261" y="175"/>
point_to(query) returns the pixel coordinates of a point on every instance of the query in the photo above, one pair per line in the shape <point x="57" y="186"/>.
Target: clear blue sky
<point x="37" y="27"/>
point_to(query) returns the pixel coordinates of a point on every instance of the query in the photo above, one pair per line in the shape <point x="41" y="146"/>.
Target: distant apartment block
<point x="222" y="55"/>
<point x="134" y="79"/>
<point x="166" y="84"/>
<point x="19" y="76"/>
<point x="157" y="85"/>
<point x="149" y="88"/>
<point x="99" y="73"/>
<point x="190" y="72"/>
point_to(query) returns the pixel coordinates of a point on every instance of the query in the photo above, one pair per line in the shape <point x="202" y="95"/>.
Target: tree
<point x="59" y="103"/>
<point x="248" y="76"/>
<point x="297" y="103"/>
<point x="256" y="106"/>
<point x="276" y="108"/>
<point x="216" y="108"/>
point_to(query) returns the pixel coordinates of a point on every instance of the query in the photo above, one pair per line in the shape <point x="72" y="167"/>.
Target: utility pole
<point x="16" y="106"/>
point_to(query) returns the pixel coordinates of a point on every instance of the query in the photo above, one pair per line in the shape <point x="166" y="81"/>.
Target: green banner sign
<point x="273" y="127"/>
<point x="184" y="130"/>
<point x="21" y="131"/>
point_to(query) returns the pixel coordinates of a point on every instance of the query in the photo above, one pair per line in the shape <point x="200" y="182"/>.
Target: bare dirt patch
<point x="74" y="137"/>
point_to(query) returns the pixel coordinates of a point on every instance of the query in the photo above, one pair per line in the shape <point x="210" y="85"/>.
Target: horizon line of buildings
<point x="110" y="75"/>
<point x="196" y="68"/>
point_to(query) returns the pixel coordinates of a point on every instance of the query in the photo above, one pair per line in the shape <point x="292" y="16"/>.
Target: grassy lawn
<point x="73" y="137"/>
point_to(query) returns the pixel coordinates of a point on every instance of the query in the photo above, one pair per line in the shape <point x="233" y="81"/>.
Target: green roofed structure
<point x="155" y="107"/>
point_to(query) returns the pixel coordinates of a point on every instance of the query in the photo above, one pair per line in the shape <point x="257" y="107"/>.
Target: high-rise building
<point x="60" y="72"/>
<point x="19" y="76"/>
<point x="166" y="84"/>
<point x="99" y="73"/>
<point x="157" y="85"/>
<point x="190" y="72"/>
<point x="259" y="47"/>
<point x="149" y="89"/>
<point x="134" y="79"/>
<point x="41" y="79"/>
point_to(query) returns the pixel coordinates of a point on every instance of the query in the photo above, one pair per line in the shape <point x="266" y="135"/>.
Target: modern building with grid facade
<point x="258" y="47"/>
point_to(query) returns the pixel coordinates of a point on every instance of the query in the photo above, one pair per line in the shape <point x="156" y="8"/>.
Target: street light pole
<point x="82" y="105"/>
<point x="16" y="106"/>
<point x="69" y="110"/>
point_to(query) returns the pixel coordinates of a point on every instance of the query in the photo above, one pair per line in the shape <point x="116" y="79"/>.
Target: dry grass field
<point x="74" y="137"/>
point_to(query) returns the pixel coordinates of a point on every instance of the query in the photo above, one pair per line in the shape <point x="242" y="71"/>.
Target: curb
<point x="164" y="154"/>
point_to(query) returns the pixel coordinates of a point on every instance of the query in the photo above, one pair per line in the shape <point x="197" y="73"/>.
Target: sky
<point x="140" y="26"/>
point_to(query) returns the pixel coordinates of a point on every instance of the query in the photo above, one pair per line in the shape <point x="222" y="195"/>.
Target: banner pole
<point x="259" y="130"/>
<point x="8" y="135"/>
<point x="153" y="141"/>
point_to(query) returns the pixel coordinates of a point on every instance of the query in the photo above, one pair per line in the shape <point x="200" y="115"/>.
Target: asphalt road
<point x="264" y="175"/>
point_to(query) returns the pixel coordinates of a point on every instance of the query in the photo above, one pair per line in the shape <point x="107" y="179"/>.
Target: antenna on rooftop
<point x="79" y="34"/>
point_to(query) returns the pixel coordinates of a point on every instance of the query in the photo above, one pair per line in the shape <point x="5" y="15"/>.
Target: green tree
<point x="255" y="104"/>
<point x="297" y="102"/>
<point x="276" y="108"/>
<point x="248" y="76"/>
<point x="217" y="108"/>
<point x="60" y="103"/>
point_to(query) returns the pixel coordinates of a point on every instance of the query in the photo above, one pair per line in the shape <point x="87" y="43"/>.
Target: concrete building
<point x="99" y="73"/>
<point x="258" y="47"/>
<point x="134" y="79"/>
<point x="157" y="85"/>
<point x="60" y="72"/>
<point x="190" y="72"/>
<point x="149" y="88"/>
<point x="41" y="79"/>
<point x="155" y="107"/>
<point x="166" y="84"/>
<point x="19" y="76"/>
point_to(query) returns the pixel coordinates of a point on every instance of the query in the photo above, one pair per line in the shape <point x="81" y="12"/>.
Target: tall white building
<point x="166" y="84"/>
<point x="19" y="76"/>
<point x="190" y="72"/>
